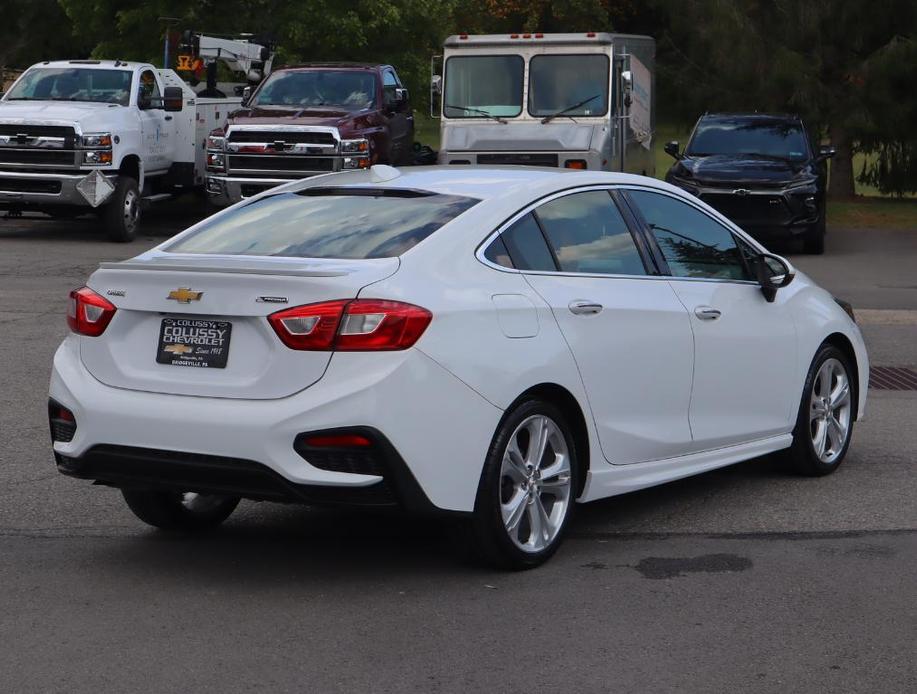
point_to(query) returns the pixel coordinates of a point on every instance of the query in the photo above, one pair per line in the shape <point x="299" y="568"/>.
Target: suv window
<point x="693" y="244"/>
<point x="527" y="247"/>
<point x="588" y="234"/>
<point x="326" y="223"/>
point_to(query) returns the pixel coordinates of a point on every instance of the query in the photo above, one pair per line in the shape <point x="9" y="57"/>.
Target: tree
<point x="35" y="30"/>
<point x="819" y="58"/>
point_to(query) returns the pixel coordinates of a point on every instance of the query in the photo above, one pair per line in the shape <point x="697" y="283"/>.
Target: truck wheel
<point x="121" y="215"/>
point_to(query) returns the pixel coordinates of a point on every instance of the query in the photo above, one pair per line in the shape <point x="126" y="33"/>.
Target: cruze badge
<point x="741" y="191"/>
<point x="184" y="295"/>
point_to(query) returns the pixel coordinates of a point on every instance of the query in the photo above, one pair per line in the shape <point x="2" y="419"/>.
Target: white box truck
<point x="581" y="101"/>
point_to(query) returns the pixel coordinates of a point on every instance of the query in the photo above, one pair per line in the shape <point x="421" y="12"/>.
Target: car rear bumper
<point x="427" y="426"/>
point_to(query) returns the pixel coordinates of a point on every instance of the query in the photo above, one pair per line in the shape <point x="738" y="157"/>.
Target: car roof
<point x="343" y="65"/>
<point x="761" y="117"/>
<point x="92" y="64"/>
<point x="478" y="182"/>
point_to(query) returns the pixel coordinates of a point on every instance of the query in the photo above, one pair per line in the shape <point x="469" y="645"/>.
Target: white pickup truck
<point x="87" y="135"/>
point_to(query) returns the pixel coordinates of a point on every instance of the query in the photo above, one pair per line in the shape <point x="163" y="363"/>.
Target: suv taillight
<point x="360" y="325"/>
<point x="89" y="313"/>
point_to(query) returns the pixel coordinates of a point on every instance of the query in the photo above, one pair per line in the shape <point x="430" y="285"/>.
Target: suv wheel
<point x="527" y="491"/>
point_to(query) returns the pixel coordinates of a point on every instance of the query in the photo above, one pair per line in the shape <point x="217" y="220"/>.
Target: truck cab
<point x="89" y="135"/>
<point x="581" y="101"/>
<point x="307" y="120"/>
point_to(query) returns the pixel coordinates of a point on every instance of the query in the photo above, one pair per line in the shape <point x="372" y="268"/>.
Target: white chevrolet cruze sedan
<point x="494" y="344"/>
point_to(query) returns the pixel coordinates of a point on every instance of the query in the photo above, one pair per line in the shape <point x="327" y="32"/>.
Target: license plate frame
<point x="194" y="342"/>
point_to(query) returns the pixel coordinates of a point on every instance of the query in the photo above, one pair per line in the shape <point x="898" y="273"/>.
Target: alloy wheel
<point x="535" y="483"/>
<point x="830" y="411"/>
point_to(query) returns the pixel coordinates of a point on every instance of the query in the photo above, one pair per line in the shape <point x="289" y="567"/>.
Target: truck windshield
<point x="355" y="223"/>
<point x="73" y="84"/>
<point x="751" y="137"/>
<point x="482" y="86"/>
<point x="557" y="82"/>
<point x="350" y="89"/>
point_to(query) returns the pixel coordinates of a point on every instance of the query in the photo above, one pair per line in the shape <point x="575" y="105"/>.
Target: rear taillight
<point x="89" y="313"/>
<point x="361" y="325"/>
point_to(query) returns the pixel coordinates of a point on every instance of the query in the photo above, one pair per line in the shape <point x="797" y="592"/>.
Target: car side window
<point x="589" y="235"/>
<point x="498" y="254"/>
<point x="693" y="244"/>
<point x="526" y="246"/>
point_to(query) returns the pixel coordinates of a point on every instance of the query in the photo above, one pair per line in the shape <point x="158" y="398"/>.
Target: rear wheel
<point x="825" y="422"/>
<point x="121" y="214"/>
<point x="184" y="511"/>
<point x="527" y="491"/>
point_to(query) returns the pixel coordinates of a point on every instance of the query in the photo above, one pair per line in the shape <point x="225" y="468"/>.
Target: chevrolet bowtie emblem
<point x="178" y="349"/>
<point x="184" y="295"/>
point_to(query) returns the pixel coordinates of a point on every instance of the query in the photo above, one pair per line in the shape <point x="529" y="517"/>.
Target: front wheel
<point x="527" y="490"/>
<point x="179" y="511"/>
<point x="825" y="422"/>
<point x="121" y="214"/>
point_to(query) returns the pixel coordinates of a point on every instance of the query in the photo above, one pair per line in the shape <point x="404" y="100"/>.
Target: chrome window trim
<point x="482" y="247"/>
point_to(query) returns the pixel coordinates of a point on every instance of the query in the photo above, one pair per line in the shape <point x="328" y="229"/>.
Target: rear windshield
<point x="326" y="223"/>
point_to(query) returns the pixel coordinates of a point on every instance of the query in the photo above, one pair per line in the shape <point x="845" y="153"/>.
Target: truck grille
<point x="286" y="164"/>
<point x="288" y="136"/>
<point x="37" y="156"/>
<point x="25" y="185"/>
<point x="750" y="209"/>
<point x="35" y="131"/>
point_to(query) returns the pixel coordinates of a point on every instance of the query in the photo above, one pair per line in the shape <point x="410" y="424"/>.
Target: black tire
<point x="121" y="214"/>
<point x="485" y="533"/>
<point x="170" y="511"/>
<point x="814" y="241"/>
<point x="802" y="455"/>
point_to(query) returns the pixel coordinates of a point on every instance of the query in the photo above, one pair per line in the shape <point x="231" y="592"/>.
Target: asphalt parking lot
<point x="744" y="579"/>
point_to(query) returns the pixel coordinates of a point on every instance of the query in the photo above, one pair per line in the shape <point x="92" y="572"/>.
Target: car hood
<point x="722" y="169"/>
<point x="277" y="115"/>
<point x="63" y="113"/>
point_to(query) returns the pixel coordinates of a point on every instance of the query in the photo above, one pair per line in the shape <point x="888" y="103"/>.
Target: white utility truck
<point x="580" y="101"/>
<point x="89" y="135"/>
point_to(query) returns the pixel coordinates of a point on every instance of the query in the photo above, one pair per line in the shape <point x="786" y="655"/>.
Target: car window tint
<point x="527" y="247"/>
<point x="694" y="244"/>
<point x="326" y="223"/>
<point x="497" y="253"/>
<point x="588" y="234"/>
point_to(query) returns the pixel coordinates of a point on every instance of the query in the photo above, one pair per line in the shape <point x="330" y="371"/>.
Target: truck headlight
<point x="215" y="161"/>
<point x="360" y="146"/>
<point x="97" y="157"/>
<point x="355" y="163"/>
<point x="96" y="140"/>
<point x="215" y="142"/>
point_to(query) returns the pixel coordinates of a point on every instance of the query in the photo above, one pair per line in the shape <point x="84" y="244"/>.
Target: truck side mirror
<point x="173" y="99"/>
<point x="627" y="86"/>
<point x="671" y="148"/>
<point x="436" y="84"/>
<point x="246" y="95"/>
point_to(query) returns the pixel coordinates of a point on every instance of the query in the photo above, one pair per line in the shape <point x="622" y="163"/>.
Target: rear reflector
<point x="575" y="164"/>
<point x="63" y="423"/>
<point x="338" y="441"/>
<point x="89" y="313"/>
<point x="361" y="325"/>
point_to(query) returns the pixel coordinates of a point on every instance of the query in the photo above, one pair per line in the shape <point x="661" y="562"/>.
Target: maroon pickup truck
<point x="310" y="119"/>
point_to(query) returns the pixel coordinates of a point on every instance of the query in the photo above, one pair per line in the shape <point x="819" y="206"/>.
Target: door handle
<point x="582" y="307"/>
<point x="707" y="313"/>
<point x="168" y="118"/>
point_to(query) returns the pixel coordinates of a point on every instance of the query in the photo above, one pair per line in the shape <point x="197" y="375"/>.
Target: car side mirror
<point x="173" y="99"/>
<point x="671" y="148"/>
<point x="773" y="273"/>
<point x="246" y="95"/>
<point x="826" y="152"/>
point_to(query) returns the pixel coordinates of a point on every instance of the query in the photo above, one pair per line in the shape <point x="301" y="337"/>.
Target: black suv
<point x="760" y="171"/>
